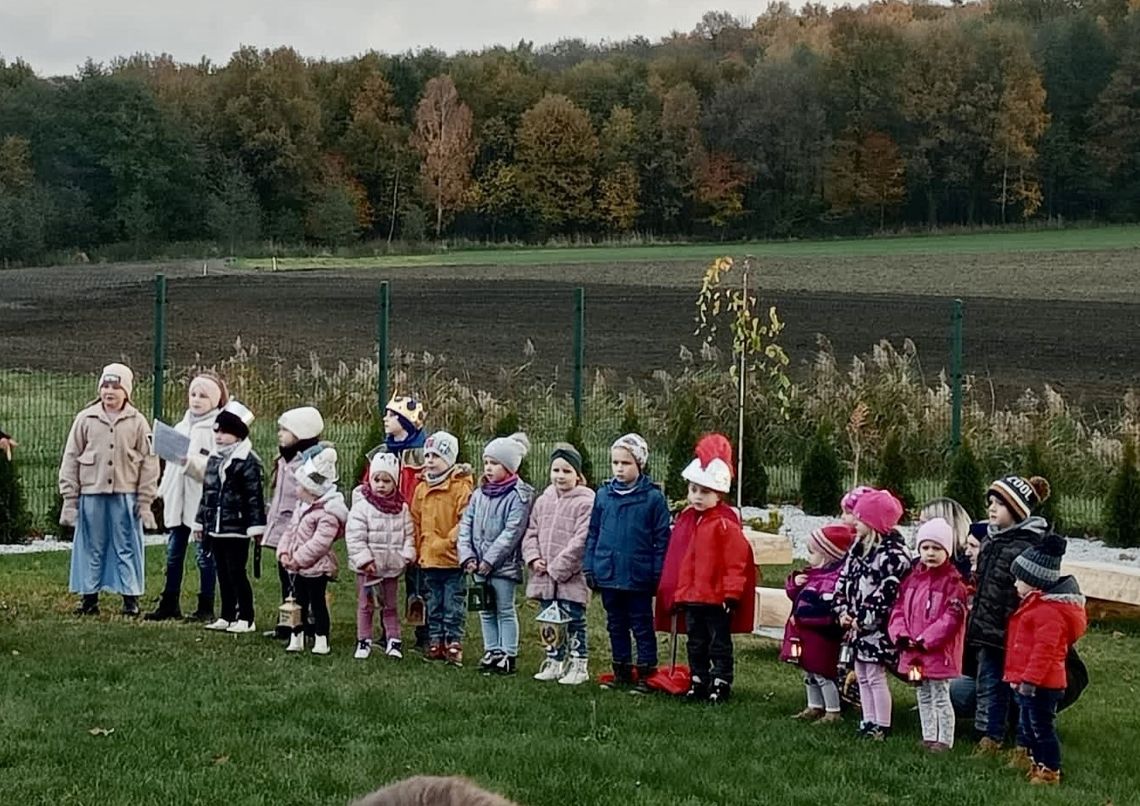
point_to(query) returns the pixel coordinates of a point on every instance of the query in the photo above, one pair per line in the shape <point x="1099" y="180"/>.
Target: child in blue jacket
<point x="625" y="551"/>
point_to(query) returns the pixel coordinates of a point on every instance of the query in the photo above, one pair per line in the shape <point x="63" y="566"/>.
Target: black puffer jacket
<point x="996" y="598"/>
<point x="233" y="502"/>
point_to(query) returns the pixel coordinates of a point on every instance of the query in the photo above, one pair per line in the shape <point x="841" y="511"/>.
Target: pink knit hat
<point x="937" y="531"/>
<point x="853" y="495"/>
<point x="832" y="541"/>
<point x="880" y="510"/>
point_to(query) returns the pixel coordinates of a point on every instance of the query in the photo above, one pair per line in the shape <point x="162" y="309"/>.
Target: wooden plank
<point x="772" y="608"/>
<point x="769" y="549"/>
<point x="1109" y="582"/>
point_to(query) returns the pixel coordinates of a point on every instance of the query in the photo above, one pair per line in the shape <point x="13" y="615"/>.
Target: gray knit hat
<point x="509" y="451"/>
<point x="1040" y="565"/>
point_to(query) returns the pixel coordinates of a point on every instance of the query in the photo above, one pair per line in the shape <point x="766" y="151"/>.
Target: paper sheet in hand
<point x="169" y="444"/>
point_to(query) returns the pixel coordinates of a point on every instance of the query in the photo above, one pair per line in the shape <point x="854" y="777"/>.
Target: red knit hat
<point x="880" y="510"/>
<point x="832" y="541"/>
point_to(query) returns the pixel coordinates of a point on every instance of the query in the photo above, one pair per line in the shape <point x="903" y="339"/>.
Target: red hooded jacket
<point x="1040" y="633"/>
<point x="709" y="561"/>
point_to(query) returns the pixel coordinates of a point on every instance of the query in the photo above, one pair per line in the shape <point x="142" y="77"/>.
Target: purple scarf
<point x="391" y="504"/>
<point x="497" y="489"/>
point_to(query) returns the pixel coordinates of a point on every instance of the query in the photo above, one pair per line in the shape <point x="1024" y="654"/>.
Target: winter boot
<point x="395" y="648"/>
<point x="1043" y="776"/>
<point x="363" y="649"/>
<point x="435" y="652"/>
<point x="505" y="666"/>
<point x="167" y="610"/>
<point x="578" y="673"/>
<point x="131" y="606"/>
<point x="296" y="642"/>
<point x="88" y="605"/>
<point x="643" y="675"/>
<point x="810" y="714"/>
<point x="988" y="747"/>
<point x="551" y="669"/>
<point x="205" y="611"/>
<point x="698" y="690"/>
<point x="623" y="676"/>
<point x="830" y="718"/>
<point x="242" y="626"/>
<point x="1019" y="759"/>
<point x="720" y="691"/>
<point x="321" y="645"/>
<point x="455" y="654"/>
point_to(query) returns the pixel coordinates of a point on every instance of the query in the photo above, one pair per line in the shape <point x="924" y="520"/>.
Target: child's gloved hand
<point x="903" y="642"/>
<point x="1027" y="690"/>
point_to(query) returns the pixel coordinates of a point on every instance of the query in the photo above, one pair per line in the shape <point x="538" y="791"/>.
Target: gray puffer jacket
<point x="492" y="530"/>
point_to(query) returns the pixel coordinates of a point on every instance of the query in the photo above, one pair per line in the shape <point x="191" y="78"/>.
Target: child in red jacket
<point x="1041" y="631"/>
<point x="715" y="575"/>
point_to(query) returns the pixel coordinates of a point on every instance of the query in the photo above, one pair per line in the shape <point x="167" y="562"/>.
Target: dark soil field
<point x="1079" y="337"/>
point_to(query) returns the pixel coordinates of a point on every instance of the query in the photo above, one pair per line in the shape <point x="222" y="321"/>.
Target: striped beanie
<point x="1020" y="496"/>
<point x="832" y="541"/>
<point x="1040" y="566"/>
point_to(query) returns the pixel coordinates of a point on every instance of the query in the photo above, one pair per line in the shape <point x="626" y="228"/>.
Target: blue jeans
<point x="1035" y="728"/>
<point x="626" y="612"/>
<point x="446" y="604"/>
<point x="501" y="625"/>
<point x="575" y="630"/>
<point x="994" y="696"/>
<point x="176" y="543"/>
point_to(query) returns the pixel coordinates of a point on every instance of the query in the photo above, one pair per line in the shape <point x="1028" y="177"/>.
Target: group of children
<point x="865" y="604"/>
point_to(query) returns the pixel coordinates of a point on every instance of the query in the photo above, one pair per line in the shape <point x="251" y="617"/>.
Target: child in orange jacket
<point x="709" y="572"/>
<point x="1050" y="619"/>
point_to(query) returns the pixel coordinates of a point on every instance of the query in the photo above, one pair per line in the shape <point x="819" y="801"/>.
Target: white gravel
<point x="50" y="543"/>
<point x="798" y="526"/>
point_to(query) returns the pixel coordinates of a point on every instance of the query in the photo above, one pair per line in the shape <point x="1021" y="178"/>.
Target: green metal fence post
<point x="956" y="375"/>
<point x="159" y="344"/>
<point x="579" y="351"/>
<point x="382" y="319"/>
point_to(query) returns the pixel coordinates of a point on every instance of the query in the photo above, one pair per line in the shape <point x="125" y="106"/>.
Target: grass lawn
<point x="205" y="718"/>
<point x="1122" y="237"/>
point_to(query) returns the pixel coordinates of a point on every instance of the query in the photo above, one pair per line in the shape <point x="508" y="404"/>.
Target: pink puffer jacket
<point x="386" y="539"/>
<point x="557" y="534"/>
<point x="310" y="536"/>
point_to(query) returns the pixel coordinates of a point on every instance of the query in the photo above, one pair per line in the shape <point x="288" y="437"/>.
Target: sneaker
<point x="296" y="642"/>
<point x="642" y="684"/>
<point x="490" y="657"/>
<point x="622" y="677"/>
<point x="721" y="691"/>
<point x="988" y="747"/>
<point x="395" y="648"/>
<point x="865" y="728"/>
<point x="242" y="626"/>
<point x="939" y="747"/>
<point x="88" y="605"/>
<point x="505" y="666"/>
<point x="221" y="625"/>
<point x="829" y="718"/>
<point x="455" y="654"/>
<point x="363" y="649"/>
<point x="167" y="610"/>
<point x="131" y="606"/>
<point x="810" y="714"/>
<point x="578" y="673"/>
<point x="1043" y="776"/>
<point x="1019" y="759"/>
<point x="698" y="690"/>
<point x="321" y="645"/>
<point x="878" y="733"/>
<point x="551" y="669"/>
<point x="435" y="652"/>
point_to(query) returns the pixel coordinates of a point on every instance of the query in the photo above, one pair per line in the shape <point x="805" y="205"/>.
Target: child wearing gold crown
<point x="709" y="574"/>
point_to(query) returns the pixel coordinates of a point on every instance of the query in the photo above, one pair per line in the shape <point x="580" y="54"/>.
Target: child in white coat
<point x="381" y="544"/>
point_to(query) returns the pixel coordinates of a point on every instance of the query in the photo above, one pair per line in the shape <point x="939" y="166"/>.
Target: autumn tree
<point x="618" y="186"/>
<point x="557" y="150"/>
<point x="443" y="138"/>
<point x="720" y="186"/>
<point x="375" y="149"/>
<point x="866" y="176"/>
<point x="1116" y="130"/>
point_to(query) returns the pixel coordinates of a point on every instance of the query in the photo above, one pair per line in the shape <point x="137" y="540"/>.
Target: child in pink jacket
<point x="381" y="544"/>
<point x="928" y="625"/>
<point x="306" y="548"/>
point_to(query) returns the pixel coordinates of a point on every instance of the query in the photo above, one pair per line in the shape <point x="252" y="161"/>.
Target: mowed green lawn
<point x="197" y="717"/>
<point x="998" y="242"/>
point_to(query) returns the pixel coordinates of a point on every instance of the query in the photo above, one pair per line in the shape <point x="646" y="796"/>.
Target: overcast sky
<point x="55" y="36"/>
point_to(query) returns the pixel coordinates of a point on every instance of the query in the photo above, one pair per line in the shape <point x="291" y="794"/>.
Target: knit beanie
<point x="937" y="531"/>
<point x="1040" y="565"/>
<point x="832" y="541"/>
<point x="318" y="472"/>
<point x="213" y="387"/>
<point x="880" y="510"/>
<point x="384" y="462"/>
<point x="1020" y="496"/>
<point x="853" y="495"/>
<point x="118" y="374"/>
<point x="408" y="410"/>
<point x="234" y="419"/>
<point x="443" y="445"/>
<point x="304" y="423"/>
<point x="636" y="445"/>
<point x="509" y="451"/>
<point x="569" y="454"/>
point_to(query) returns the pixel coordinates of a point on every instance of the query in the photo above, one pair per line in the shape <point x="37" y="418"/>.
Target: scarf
<point x="435" y="481"/>
<point x="391" y="504"/>
<point x="414" y="439"/>
<point x="497" y="489"/>
<point x="625" y="488"/>
<point x="193" y="419"/>
<point x="289" y="452"/>
<point x="225" y="451"/>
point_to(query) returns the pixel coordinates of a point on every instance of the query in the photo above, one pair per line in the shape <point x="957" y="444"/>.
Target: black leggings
<point x="310" y="593"/>
<point x="231" y="555"/>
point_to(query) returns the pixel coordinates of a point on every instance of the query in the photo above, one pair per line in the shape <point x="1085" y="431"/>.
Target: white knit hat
<point x="119" y="374"/>
<point x="384" y="462"/>
<point x="443" y="445"/>
<point x="509" y="451"/>
<point x="304" y="423"/>
<point x="318" y="473"/>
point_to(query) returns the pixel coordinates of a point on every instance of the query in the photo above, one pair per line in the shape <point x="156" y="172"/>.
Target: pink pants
<point x="874" y="695"/>
<point x="385" y="589"/>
